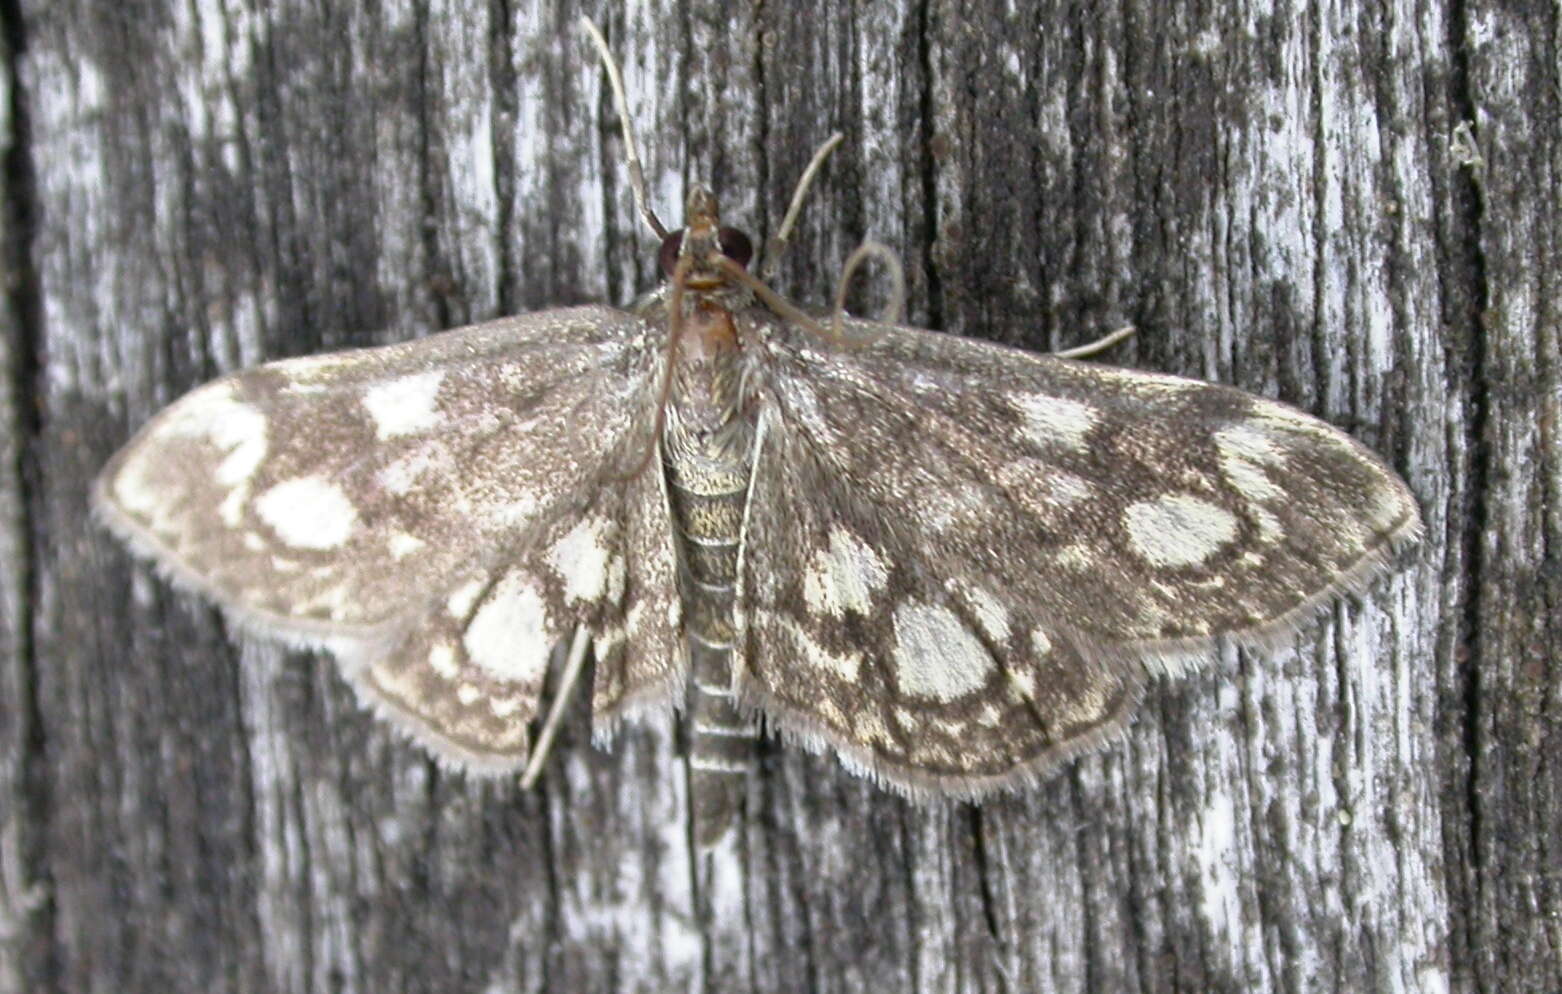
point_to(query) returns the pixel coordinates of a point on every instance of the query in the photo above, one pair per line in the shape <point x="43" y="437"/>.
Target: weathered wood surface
<point x="1352" y="207"/>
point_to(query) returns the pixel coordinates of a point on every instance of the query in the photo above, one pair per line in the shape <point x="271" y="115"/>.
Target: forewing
<point x="1107" y="516"/>
<point x="438" y="514"/>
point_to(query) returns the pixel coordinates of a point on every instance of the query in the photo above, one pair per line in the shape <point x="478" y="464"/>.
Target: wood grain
<point x="1351" y="207"/>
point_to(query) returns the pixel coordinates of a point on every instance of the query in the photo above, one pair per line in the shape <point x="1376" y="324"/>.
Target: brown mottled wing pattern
<point x="960" y="560"/>
<point x="438" y="514"/>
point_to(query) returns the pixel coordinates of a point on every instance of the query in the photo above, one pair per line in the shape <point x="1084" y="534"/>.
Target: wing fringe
<point x="1176" y="657"/>
<point x="798" y="728"/>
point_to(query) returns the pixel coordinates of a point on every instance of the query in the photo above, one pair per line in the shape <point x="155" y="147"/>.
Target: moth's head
<point x="702" y="240"/>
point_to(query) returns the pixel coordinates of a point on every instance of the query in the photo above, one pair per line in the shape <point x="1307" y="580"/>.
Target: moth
<point x="954" y="564"/>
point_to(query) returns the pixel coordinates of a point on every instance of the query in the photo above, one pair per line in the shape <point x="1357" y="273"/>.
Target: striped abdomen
<point x="708" y="497"/>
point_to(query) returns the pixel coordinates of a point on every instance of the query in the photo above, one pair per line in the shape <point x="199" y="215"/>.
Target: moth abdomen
<point x="721" y="739"/>
<point x="708" y="468"/>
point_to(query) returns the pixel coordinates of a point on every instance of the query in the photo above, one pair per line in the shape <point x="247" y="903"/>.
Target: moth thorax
<point x="707" y="407"/>
<point x="709" y="332"/>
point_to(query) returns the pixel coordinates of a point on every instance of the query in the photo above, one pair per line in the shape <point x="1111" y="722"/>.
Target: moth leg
<point x="631" y="150"/>
<point x="550" y="727"/>
<point x="777" y="245"/>
<point x="1099" y="345"/>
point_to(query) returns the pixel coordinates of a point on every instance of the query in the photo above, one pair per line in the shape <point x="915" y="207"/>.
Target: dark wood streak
<point x="1277" y="196"/>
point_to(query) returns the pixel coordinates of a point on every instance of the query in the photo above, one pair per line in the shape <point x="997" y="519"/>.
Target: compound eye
<point x="735" y="246"/>
<point x="668" y="255"/>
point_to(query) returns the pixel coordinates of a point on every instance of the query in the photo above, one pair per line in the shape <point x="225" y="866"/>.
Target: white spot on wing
<point x="581" y="559"/>
<point x="935" y="655"/>
<point x="1040" y="642"/>
<point x="404" y="406"/>
<point x="333" y="602"/>
<point x="1387" y="507"/>
<point x="504" y="707"/>
<point x="845" y="576"/>
<point x="511" y="513"/>
<point x="210" y="415"/>
<point x="308" y="512"/>
<point x="303" y="371"/>
<point x="240" y="430"/>
<point x="134" y="487"/>
<point x="1022" y="684"/>
<point x="1245" y="451"/>
<point x="1290" y="419"/>
<point x="1064" y="489"/>
<point x="1178" y="530"/>
<point x="955" y="505"/>
<point x="991" y="615"/>
<point x="231" y="510"/>
<point x="1142" y="382"/>
<point x="1042" y="489"/>
<point x="509" y="635"/>
<point x="443" y="659"/>
<point x="635" y="618"/>
<point x="461" y="599"/>
<point x="844" y="665"/>
<point x="1269" y="529"/>
<point x="617" y="573"/>
<point x="1086" y="705"/>
<point x="403" y="545"/>
<point x="233" y="426"/>
<point x="1053" y="420"/>
<point x="401" y="476"/>
<point x="1075" y="556"/>
<point x="611" y="637"/>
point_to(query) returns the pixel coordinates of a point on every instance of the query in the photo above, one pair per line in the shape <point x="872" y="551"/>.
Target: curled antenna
<point x="631" y="150"/>
<point x="896" y="304"/>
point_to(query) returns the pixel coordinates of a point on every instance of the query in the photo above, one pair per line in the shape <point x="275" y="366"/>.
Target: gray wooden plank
<point x="23" y="903"/>
<point x="1508" y="170"/>
<point x="1275" y="197"/>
